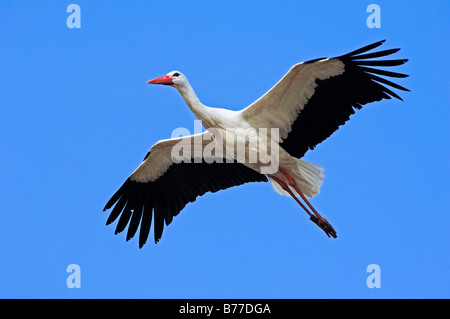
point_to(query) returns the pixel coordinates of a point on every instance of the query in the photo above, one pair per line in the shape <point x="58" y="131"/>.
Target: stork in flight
<point x="306" y="106"/>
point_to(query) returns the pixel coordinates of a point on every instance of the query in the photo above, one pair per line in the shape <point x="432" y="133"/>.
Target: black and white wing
<point x="164" y="183"/>
<point x="315" y="97"/>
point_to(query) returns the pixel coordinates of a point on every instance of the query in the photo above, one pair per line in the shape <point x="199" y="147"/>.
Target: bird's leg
<point x="319" y="220"/>
<point x="287" y="189"/>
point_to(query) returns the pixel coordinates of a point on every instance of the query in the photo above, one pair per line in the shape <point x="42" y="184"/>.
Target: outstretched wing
<point x="315" y="97"/>
<point x="163" y="184"/>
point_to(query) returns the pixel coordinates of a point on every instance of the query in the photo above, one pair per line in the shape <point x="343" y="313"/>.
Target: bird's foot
<point x="324" y="225"/>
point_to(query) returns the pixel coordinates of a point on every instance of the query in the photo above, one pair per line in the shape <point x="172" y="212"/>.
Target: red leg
<point x="287" y="189"/>
<point x="319" y="220"/>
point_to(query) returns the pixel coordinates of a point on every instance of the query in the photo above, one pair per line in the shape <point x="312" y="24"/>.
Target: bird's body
<point x="261" y="142"/>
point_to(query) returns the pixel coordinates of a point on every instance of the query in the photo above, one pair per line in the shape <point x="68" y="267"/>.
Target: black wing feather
<point x="336" y="98"/>
<point x="136" y="216"/>
<point x="375" y="54"/>
<point x="364" y="49"/>
<point x="146" y="215"/>
<point x="139" y="203"/>
<point x="383" y="72"/>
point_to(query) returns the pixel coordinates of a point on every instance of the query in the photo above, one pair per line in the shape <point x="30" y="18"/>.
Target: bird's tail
<point x="307" y="176"/>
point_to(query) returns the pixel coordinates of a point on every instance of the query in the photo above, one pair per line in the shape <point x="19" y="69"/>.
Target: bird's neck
<point x="200" y="110"/>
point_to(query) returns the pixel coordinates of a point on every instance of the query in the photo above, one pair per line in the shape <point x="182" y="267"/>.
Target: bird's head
<point x="174" y="78"/>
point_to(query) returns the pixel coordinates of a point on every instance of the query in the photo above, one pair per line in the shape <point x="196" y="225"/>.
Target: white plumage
<point x="280" y="106"/>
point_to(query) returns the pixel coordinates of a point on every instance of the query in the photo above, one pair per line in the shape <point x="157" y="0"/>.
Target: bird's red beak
<point x="166" y="80"/>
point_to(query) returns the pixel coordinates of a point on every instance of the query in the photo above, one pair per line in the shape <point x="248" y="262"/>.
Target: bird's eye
<point x="176" y="74"/>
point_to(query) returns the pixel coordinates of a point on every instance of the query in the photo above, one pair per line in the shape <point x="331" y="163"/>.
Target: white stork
<point x="307" y="105"/>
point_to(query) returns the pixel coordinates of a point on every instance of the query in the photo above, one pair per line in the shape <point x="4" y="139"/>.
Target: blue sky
<point x="77" y="117"/>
